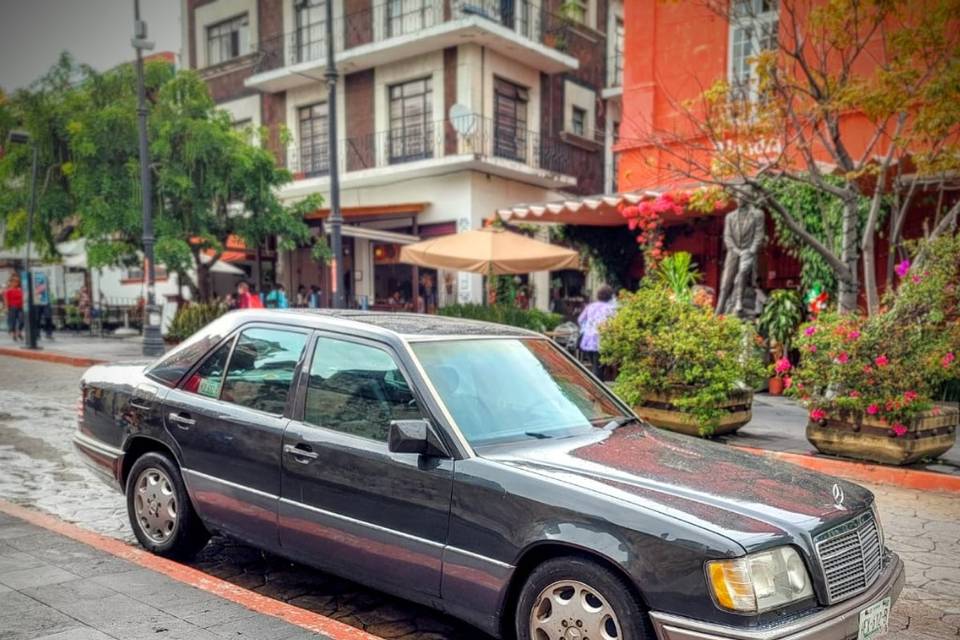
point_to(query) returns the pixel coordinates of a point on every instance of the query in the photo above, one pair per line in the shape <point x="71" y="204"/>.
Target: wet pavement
<point x="41" y="470"/>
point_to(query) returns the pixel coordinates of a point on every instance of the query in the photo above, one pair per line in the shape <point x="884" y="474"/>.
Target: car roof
<point x="409" y="326"/>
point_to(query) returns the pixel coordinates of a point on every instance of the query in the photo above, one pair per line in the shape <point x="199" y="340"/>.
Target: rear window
<point x="175" y="364"/>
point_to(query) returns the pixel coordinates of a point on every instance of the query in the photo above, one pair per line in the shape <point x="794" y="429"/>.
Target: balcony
<point x="392" y="31"/>
<point x="470" y="143"/>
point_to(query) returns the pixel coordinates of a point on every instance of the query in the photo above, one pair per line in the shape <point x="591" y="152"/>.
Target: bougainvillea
<point x="890" y="365"/>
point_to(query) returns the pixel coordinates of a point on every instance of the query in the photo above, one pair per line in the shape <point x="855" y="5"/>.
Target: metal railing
<point x="396" y="18"/>
<point x="471" y="135"/>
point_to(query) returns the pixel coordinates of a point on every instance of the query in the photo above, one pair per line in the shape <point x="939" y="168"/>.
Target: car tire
<point x="159" y="508"/>
<point x="577" y="592"/>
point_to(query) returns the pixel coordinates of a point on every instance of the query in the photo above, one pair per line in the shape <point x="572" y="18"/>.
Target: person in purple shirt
<point x="592" y="316"/>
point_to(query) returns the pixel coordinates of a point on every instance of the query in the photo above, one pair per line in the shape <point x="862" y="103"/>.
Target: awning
<point x="371" y="212"/>
<point x="598" y="210"/>
<point x="379" y="235"/>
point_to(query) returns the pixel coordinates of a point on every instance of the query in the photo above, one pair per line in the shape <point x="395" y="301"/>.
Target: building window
<point x="510" y="120"/>
<point x="578" y="122"/>
<point x="228" y="39"/>
<point x="314" y="150"/>
<point x="617" y="62"/>
<point x="310" y="38"/>
<point x="408" y="16"/>
<point x="411" y="124"/>
<point x="753" y="28"/>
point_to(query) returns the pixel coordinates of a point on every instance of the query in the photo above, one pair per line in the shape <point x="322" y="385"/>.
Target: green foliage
<point x="611" y="250"/>
<point x="191" y="317"/>
<point x="533" y="319"/>
<point x="894" y="364"/>
<point x="780" y="318"/>
<point x="663" y="343"/>
<point x="678" y="273"/>
<point x="821" y="214"/>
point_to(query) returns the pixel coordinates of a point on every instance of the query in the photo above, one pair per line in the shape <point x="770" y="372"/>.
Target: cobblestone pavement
<point x="41" y="470"/>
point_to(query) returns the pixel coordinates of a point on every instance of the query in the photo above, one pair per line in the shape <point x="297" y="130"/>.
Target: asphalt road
<point x="41" y="470"/>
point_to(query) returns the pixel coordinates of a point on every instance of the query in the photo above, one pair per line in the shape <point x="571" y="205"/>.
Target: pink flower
<point x="881" y="360"/>
<point x="818" y="414"/>
<point x="867" y="369"/>
<point x="783" y="365"/>
<point x="853" y="335"/>
<point x="910" y="396"/>
<point x="873" y="409"/>
<point x="843" y="358"/>
<point x="903" y="268"/>
<point x="946" y="360"/>
<point x="809" y="331"/>
<point x="787" y="382"/>
<point x="916" y="278"/>
<point x="854" y="394"/>
<point x="899" y="429"/>
<point x="812" y="348"/>
<point x="935" y="411"/>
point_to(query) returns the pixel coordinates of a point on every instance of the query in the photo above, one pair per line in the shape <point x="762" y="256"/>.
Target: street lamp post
<point x="22" y="137"/>
<point x="152" y="340"/>
<point x="336" y="216"/>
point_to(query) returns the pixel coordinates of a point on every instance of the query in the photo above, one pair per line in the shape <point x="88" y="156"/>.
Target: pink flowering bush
<point x="888" y="366"/>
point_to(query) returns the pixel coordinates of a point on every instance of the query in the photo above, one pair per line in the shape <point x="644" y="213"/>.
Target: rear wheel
<point x="159" y="509"/>
<point x="575" y="599"/>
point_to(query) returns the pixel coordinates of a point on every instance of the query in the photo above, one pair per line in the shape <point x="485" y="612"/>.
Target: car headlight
<point x="760" y="581"/>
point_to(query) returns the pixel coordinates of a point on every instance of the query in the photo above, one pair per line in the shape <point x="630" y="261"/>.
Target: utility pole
<point x="152" y="340"/>
<point x="32" y="320"/>
<point x="336" y="216"/>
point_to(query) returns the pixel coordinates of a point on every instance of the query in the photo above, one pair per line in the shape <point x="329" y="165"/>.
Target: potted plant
<point x="681" y="366"/>
<point x="190" y="318"/>
<point x="870" y="383"/>
<point x="779" y="320"/>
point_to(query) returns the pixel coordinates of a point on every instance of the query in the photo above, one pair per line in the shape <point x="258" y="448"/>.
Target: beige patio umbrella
<point x="489" y="251"/>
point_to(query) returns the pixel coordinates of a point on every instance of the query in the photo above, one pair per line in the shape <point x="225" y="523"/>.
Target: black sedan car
<point x="480" y="470"/>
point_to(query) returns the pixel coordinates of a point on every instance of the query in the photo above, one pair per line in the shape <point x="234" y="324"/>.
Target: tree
<point x="210" y="182"/>
<point x="838" y="67"/>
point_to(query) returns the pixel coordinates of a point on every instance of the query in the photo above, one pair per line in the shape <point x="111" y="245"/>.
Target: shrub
<point x="778" y="321"/>
<point x="664" y="343"/>
<point x="532" y="319"/>
<point x="890" y="366"/>
<point x="191" y="317"/>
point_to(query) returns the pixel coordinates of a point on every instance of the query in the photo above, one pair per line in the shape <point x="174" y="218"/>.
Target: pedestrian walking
<point x="277" y="298"/>
<point x="313" y="301"/>
<point x="301" y="297"/>
<point x="246" y="299"/>
<point x="590" y="320"/>
<point x="13" y="300"/>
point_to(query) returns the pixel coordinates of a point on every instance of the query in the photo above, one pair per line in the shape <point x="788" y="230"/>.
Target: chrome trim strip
<point x="361" y="523"/>
<point x="83" y="440"/>
<point x="233" y="485"/>
<point x="477" y="556"/>
<point x="465" y="445"/>
<point x="827" y="624"/>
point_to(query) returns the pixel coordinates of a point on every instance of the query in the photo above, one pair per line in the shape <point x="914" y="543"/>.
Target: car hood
<point x="752" y="499"/>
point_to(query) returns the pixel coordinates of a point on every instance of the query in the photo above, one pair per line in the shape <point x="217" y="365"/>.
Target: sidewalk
<point x="55" y="588"/>
<point x="76" y="349"/>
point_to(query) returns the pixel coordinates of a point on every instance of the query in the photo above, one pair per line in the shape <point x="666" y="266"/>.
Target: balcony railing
<point x="466" y="135"/>
<point x="382" y="22"/>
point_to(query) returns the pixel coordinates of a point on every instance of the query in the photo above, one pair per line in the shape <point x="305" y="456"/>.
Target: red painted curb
<point x="865" y="472"/>
<point x="187" y="575"/>
<point x="50" y="356"/>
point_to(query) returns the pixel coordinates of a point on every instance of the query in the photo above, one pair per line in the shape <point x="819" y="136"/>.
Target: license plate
<point x="874" y="620"/>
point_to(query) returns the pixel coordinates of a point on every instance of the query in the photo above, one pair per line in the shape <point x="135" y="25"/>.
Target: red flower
<point x="783" y="365"/>
<point x="854" y="394"/>
<point x="853" y="335"/>
<point x="910" y="396"/>
<point x="873" y="409"/>
<point x="947" y="360"/>
<point x="881" y="360"/>
<point x="843" y="358"/>
<point x="899" y="429"/>
<point x="787" y="382"/>
<point x="818" y="414"/>
<point x="867" y="369"/>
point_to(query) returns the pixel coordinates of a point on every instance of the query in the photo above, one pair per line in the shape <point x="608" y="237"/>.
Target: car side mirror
<point x="415" y="436"/>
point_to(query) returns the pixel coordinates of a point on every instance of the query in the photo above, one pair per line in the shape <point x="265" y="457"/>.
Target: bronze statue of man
<point x="743" y="234"/>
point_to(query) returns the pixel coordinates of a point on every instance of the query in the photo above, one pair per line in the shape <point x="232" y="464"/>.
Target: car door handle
<point x="182" y="421"/>
<point x="299" y="451"/>
<point x="142" y="407"/>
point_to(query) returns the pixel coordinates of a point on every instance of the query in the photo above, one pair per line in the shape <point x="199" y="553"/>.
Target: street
<point x="41" y="470"/>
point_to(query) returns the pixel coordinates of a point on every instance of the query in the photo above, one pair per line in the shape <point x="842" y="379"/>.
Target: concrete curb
<point x="252" y="600"/>
<point x="866" y="472"/>
<point x="50" y="356"/>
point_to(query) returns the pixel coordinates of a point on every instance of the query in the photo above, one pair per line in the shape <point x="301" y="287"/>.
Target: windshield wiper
<point x="620" y="421"/>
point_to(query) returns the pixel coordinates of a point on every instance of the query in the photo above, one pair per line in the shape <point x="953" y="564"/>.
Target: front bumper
<point x="839" y="622"/>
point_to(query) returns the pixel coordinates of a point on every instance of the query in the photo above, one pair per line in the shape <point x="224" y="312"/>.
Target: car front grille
<point x="851" y="556"/>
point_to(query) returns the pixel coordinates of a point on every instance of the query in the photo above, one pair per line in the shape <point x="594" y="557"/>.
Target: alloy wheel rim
<point x="573" y="610"/>
<point x="155" y="505"/>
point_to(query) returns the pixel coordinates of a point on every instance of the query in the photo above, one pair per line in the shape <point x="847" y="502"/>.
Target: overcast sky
<point x="97" y="32"/>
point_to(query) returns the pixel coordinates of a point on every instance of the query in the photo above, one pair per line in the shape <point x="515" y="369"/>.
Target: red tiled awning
<point x="598" y="211"/>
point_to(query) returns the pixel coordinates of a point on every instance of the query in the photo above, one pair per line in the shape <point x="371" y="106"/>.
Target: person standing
<point x="247" y="299"/>
<point x="590" y="320"/>
<point x="13" y="299"/>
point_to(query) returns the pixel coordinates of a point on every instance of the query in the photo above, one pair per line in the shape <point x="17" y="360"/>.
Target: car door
<point x="228" y="417"/>
<point x="347" y="502"/>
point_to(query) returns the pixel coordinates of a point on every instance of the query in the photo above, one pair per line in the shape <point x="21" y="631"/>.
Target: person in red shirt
<point x="13" y="299"/>
<point x="245" y="299"/>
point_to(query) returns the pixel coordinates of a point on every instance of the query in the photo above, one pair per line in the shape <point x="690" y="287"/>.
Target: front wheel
<point x="576" y="599"/>
<point x="160" y="511"/>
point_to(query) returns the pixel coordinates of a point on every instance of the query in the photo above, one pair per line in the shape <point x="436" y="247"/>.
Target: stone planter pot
<point x="659" y="410"/>
<point x="928" y="436"/>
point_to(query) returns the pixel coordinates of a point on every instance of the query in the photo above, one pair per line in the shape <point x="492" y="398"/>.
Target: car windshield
<point x="500" y="390"/>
